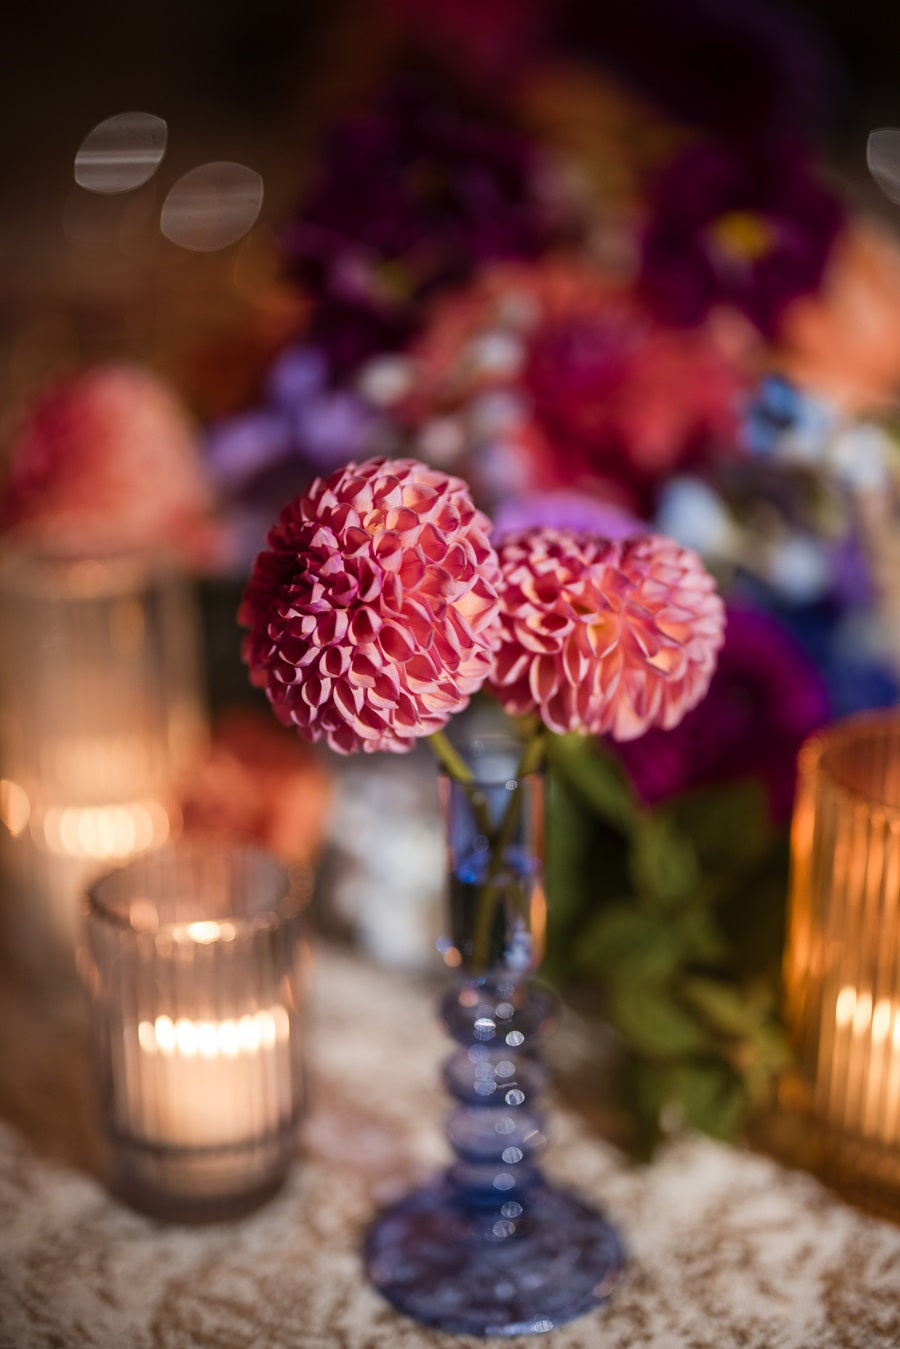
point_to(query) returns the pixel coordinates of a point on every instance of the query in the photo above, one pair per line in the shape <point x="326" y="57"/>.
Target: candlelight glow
<point x="247" y="1034"/>
<point x="103" y="832"/>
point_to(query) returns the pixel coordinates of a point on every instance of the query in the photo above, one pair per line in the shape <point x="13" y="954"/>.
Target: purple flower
<point x="765" y="698"/>
<point x="565" y="510"/>
<point x="266" y="456"/>
<point x="748" y="227"/>
<point x="410" y="196"/>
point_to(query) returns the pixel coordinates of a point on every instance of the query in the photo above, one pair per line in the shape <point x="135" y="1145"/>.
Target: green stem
<point x="499" y="840"/>
<point x="449" y="757"/>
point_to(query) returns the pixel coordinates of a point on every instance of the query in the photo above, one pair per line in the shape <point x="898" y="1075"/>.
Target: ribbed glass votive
<point x="842" y="962"/>
<point x="195" y="960"/>
<point x="101" y="713"/>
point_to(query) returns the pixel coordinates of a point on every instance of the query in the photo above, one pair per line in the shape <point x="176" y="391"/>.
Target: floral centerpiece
<point x="379" y="607"/>
<point x="609" y="294"/>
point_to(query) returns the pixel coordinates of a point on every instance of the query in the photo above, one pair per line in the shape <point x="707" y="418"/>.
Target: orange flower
<point x="844" y="340"/>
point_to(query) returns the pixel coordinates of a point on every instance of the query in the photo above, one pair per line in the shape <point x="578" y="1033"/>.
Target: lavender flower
<point x="265" y="456"/>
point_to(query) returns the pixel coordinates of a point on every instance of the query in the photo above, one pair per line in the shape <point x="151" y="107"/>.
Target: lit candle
<point x="208" y="1083"/>
<point x="863" y="1077"/>
<point x="197" y="1024"/>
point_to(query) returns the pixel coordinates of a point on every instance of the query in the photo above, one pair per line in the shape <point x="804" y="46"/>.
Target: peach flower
<point x="844" y="340"/>
<point x="602" y="636"/>
<point x="373" y="614"/>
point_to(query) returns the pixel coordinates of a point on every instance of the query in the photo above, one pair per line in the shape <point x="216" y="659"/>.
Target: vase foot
<point x="504" y="1269"/>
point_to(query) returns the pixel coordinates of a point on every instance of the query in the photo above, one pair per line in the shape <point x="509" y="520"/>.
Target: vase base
<point x="506" y="1269"/>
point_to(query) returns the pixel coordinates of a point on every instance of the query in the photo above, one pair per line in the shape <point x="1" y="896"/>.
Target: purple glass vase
<point x="490" y="1246"/>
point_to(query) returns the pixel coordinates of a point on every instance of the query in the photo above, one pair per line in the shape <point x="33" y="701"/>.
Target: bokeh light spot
<point x="212" y="206"/>
<point x="883" y="159"/>
<point x="121" y="153"/>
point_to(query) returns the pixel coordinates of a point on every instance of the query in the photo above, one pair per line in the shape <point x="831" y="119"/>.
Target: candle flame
<point x="107" y="831"/>
<point x="211" y="1039"/>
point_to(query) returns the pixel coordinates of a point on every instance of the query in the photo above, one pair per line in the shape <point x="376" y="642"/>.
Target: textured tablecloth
<point x="728" y="1250"/>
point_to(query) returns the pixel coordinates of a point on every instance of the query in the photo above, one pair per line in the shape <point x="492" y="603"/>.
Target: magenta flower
<point x="373" y="614"/>
<point x="595" y="393"/>
<point x="602" y="636"/>
<point x="748" y="228"/>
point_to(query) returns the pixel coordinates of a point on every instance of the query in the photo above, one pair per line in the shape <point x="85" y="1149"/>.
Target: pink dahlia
<point x="601" y="636"/>
<point x="373" y="614"/>
<point x="107" y="460"/>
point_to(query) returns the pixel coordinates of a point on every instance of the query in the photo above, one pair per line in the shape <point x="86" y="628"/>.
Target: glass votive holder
<point x="842" y="959"/>
<point x="194" y="959"/>
<point x="101" y="718"/>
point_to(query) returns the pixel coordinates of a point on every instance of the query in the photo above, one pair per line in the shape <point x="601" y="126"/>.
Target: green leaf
<point x="663" y="862"/>
<point x="595" y="775"/>
<point x="651" y="1019"/>
<point x="624" y="942"/>
<point x="725" y="1007"/>
<point x="710" y="1096"/>
<point x="728" y="824"/>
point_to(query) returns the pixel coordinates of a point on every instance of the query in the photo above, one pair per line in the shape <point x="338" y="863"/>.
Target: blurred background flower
<point x="108" y="460"/>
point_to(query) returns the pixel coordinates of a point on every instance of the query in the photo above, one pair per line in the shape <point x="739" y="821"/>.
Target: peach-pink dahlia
<point x="602" y="636"/>
<point x="373" y="614"/>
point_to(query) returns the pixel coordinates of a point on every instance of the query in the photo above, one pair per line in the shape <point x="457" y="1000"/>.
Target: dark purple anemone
<point x="745" y="227"/>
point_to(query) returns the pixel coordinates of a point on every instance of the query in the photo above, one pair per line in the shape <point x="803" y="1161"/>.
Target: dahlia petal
<point x="544" y="679"/>
<point x="396" y="643"/>
<point x="347" y="700"/>
<point x="315" y="691"/>
<point x="334" y="661"/>
<point x="363" y="627"/>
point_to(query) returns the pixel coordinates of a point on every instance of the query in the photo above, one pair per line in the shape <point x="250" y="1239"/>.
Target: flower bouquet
<point x="378" y="609"/>
<point x="622" y="294"/>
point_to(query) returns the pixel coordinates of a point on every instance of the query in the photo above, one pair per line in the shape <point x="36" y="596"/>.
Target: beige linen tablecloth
<point x="728" y="1250"/>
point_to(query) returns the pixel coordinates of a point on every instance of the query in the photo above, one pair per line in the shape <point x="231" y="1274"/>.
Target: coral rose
<point x="373" y="614"/>
<point x="601" y="636"/>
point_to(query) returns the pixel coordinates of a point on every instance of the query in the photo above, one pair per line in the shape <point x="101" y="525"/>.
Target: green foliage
<point x="676" y="914"/>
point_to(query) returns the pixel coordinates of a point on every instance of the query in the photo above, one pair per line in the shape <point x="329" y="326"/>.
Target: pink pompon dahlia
<point x="107" y="460"/>
<point x="373" y="614"/>
<point x="602" y="636"/>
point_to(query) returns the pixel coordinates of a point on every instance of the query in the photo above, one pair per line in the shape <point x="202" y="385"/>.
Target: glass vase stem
<point x="490" y="1247"/>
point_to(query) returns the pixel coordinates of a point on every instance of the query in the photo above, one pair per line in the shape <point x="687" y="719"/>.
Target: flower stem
<point x="499" y="840"/>
<point x="449" y="757"/>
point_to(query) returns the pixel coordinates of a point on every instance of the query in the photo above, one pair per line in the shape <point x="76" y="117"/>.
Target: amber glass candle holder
<point x="194" y="961"/>
<point x="842" y="961"/>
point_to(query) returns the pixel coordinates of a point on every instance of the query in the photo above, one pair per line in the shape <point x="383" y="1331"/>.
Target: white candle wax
<point x="863" y="1074"/>
<point x="205" y="1084"/>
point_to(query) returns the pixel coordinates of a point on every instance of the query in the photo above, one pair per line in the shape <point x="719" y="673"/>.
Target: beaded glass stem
<point x="490" y="1247"/>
